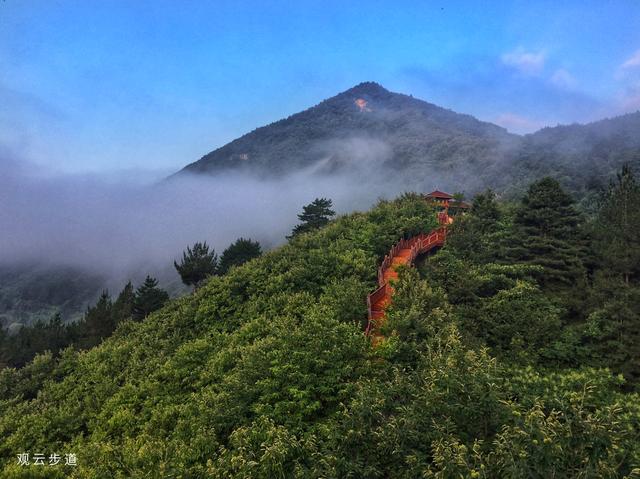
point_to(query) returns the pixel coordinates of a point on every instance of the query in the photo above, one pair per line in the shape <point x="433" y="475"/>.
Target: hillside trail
<point x="404" y="252"/>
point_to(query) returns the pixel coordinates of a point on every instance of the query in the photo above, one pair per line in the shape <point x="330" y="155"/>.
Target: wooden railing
<point x="419" y="244"/>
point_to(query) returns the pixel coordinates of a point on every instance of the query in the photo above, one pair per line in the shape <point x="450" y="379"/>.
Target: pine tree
<point x="547" y="233"/>
<point x="197" y="264"/>
<point x="123" y="305"/>
<point x="314" y="215"/>
<point x="618" y="227"/>
<point x="613" y="332"/>
<point x="5" y="345"/>
<point x="56" y="336"/>
<point x="613" y="328"/>
<point x="148" y="298"/>
<point x="98" y="321"/>
<point x="475" y="235"/>
<point x="241" y="251"/>
<point x="458" y="196"/>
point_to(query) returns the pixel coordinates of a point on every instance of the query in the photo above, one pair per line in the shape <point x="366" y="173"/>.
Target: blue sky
<point x="119" y="85"/>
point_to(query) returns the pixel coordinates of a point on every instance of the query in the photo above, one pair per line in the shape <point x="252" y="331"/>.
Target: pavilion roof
<point x="440" y="195"/>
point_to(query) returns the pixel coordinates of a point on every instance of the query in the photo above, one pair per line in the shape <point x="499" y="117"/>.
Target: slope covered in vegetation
<point x="407" y="132"/>
<point x="265" y="372"/>
<point x="581" y="157"/>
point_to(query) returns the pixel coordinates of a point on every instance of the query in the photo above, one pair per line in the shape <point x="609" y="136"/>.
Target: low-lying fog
<point x="125" y="224"/>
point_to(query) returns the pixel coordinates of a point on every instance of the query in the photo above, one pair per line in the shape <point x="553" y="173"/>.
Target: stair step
<point x="401" y="257"/>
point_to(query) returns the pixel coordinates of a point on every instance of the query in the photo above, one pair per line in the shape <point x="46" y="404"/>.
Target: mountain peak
<point x="368" y="88"/>
<point x="366" y="91"/>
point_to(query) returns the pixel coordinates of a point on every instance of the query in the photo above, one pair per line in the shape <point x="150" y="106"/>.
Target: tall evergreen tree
<point x="123" y="305"/>
<point x="613" y="331"/>
<point x="56" y="335"/>
<point x="314" y="215"/>
<point x="5" y="356"/>
<point x="613" y="328"/>
<point x="148" y="298"/>
<point x="475" y="235"/>
<point x="547" y="233"/>
<point x="98" y="321"/>
<point x="241" y="251"/>
<point x="618" y="227"/>
<point x="198" y="263"/>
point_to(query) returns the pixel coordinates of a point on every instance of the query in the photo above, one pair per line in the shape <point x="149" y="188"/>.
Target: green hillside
<point x="265" y="372"/>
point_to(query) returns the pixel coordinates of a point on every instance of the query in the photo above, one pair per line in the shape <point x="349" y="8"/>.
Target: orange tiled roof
<point x="440" y="195"/>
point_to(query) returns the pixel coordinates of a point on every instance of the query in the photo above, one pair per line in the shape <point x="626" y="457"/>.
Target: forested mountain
<point x="394" y="129"/>
<point x="493" y="365"/>
<point x="371" y="125"/>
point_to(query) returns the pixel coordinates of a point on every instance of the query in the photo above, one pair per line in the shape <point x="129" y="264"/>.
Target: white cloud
<point x="563" y="79"/>
<point x="625" y="100"/>
<point x="529" y="63"/>
<point x="631" y="103"/>
<point x="633" y="61"/>
<point x="629" y="100"/>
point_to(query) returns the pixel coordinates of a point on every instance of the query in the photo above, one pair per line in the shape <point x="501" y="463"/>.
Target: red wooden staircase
<point x="402" y="253"/>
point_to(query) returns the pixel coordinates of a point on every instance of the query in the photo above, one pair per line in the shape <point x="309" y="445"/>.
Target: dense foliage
<point x="617" y="228"/>
<point x="264" y="372"/>
<point x="575" y="280"/>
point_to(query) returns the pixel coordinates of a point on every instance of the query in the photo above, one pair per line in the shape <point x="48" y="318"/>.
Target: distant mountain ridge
<point x="413" y="137"/>
<point x="31" y="292"/>
<point x="584" y="157"/>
